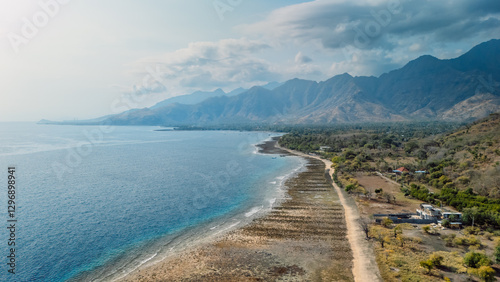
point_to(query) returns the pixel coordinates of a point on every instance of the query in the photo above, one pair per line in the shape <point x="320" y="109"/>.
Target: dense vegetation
<point x="462" y="165"/>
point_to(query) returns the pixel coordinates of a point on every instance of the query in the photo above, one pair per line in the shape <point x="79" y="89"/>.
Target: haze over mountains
<point x="426" y="88"/>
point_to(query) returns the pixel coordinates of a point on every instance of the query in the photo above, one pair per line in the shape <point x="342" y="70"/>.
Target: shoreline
<point x="301" y="237"/>
<point x="170" y="245"/>
<point x="365" y="267"/>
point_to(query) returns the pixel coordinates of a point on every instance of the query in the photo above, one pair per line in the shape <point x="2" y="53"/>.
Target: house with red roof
<point x="401" y="170"/>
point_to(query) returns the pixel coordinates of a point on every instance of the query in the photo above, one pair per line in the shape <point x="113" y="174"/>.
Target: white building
<point x="427" y="211"/>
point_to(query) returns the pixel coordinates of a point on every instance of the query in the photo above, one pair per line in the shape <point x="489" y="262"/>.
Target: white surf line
<point x="253" y="211"/>
<point x="135" y="268"/>
<point x="363" y="268"/>
<point x="227" y="228"/>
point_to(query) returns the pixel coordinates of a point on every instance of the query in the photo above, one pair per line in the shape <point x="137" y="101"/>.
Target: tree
<point x="389" y="197"/>
<point x="475" y="260"/>
<point x="434" y="260"/>
<point x="427" y="228"/>
<point x="445" y="222"/>
<point x="497" y="253"/>
<point x="437" y="260"/>
<point x="487" y="273"/>
<point x="381" y="238"/>
<point x="470" y="214"/>
<point x="380" y="234"/>
<point x="427" y="264"/>
<point x="364" y="223"/>
<point x="397" y="230"/>
<point x="386" y="222"/>
<point x="410" y="146"/>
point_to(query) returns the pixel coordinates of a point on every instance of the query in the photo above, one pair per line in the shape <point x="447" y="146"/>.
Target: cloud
<point x="302" y="59"/>
<point x="147" y="88"/>
<point x="349" y="32"/>
<point x="207" y="65"/>
<point x="365" y="37"/>
<point x="379" y="23"/>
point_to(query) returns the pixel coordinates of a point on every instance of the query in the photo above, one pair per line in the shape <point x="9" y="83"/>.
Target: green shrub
<point x="350" y="187"/>
<point x="427" y="264"/>
<point x="386" y="222"/>
<point x="467" y="241"/>
<point x="497" y="253"/>
<point x="445" y="223"/>
<point x="437" y="260"/>
<point x="473" y="241"/>
<point x="464" y="180"/>
<point x="475" y="260"/>
<point x="487" y="273"/>
<point x="449" y="239"/>
<point x="472" y="230"/>
<point x="426" y="228"/>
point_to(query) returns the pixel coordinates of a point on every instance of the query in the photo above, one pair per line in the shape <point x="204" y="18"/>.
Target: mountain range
<point x="426" y="88"/>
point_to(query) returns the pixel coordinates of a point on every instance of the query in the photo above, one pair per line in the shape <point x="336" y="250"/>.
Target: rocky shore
<point x="302" y="239"/>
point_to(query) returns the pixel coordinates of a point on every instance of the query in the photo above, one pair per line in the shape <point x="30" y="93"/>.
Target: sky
<point x="75" y="59"/>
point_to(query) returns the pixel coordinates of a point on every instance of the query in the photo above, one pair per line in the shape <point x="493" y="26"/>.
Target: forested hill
<point x="462" y="164"/>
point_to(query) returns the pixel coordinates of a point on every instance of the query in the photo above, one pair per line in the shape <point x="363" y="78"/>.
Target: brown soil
<point x="377" y="203"/>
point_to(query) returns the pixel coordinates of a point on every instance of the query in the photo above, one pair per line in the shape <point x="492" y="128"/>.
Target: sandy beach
<point x="302" y="239"/>
<point x="364" y="265"/>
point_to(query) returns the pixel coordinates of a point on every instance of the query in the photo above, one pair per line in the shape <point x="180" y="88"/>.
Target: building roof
<point x="402" y="169"/>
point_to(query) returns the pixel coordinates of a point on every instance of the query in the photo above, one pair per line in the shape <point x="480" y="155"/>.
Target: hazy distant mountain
<point x="190" y="99"/>
<point x="200" y="96"/>
<point x="424" y="89"/>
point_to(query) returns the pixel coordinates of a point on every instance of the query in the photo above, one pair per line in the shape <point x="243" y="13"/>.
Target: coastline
<point x="152" y="252"/>
<point x="365" y="267"/>
<point x="303" y="237"/>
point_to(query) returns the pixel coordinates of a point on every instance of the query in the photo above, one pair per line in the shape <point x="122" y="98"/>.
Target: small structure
<point x="453" y="216"/>
<point x="427" y="211"/>
<point x="401" y="170"/>
<point x="324" y="148"/>
<point x="396" y="218"/>
<point x="421" y="171"/>
<point x="457" y="225"/>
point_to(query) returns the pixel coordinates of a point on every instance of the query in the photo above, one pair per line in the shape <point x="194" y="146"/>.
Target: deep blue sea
<point x="94" y="203"/>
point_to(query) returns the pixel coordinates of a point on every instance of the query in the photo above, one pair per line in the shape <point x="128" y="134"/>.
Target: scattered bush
<point x="469" y="230"/>
<point x="445" y="223"/>
<point x="429" y="230"/>
<point x="386" y="222"/>
<point x="434" y="260"/>
<point x="464" y="180"/>
<point x="437" y="260"/>
<point x="449" y="239"/>
<point x="476" y="260"/>
<point x="467" y="241"/>
<point x="427" y="264"/>
<point x="426" y="228"/>
<point x="497" y="253"/>
<point x="350" y="187"/>
<point x="486" y="273"/>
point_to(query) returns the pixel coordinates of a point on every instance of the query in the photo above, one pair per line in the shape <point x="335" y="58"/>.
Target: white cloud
<point x="302" y="59"/>
<point x="228" y="63"/>
<point x="398" y="30"/>
<point x="366" y="37"/>
<point x="415" y="47"/>
<point x="378" y="24"/>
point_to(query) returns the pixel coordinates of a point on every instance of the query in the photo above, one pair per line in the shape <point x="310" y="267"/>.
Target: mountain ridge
<point x="426" y="88"/>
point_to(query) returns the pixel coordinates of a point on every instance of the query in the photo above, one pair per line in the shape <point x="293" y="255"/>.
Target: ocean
<point x="94" y="203"/>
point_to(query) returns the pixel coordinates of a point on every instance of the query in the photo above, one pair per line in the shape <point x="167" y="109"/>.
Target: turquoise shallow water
<point x="93" y="202"/>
